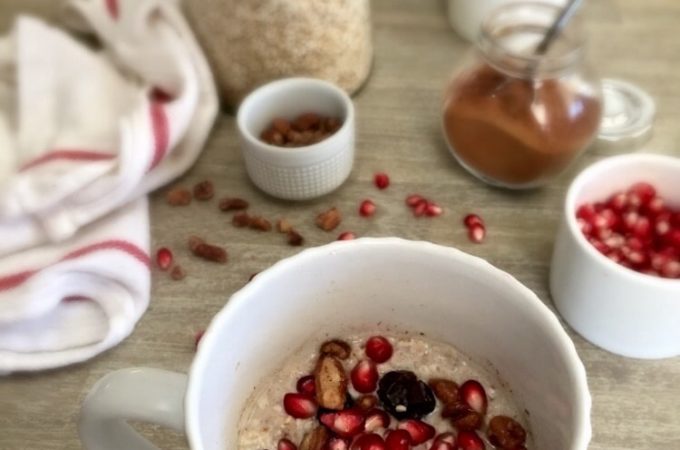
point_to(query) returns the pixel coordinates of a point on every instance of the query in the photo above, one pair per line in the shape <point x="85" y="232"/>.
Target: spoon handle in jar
<point x="562" y="19"/>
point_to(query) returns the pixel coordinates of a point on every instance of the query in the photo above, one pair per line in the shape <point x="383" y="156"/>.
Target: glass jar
<point x="516" y="119"/>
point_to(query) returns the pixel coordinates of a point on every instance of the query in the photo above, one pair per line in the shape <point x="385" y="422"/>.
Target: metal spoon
<point x="560" y="21"/>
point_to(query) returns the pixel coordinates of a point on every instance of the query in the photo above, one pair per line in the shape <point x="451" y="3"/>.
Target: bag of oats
<point x="251" y="42"/>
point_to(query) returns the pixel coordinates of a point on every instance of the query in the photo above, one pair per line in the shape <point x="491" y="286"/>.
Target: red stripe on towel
<point x="67" y="155"/>
<point x="112" y="8"/>
<point x="12" y="281"/>
<point x="161" y="132"/>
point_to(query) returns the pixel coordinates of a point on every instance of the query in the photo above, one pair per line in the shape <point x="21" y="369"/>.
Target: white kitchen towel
<point x="85" y="131"/>
<point x="64" y="303"/>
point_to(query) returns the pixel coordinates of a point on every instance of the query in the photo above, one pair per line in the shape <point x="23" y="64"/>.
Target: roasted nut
<point x="208" y="252"/>
<point x="331" y="125"/>
<point x="178" y="196"/>
<point x="506" y="433"/>
<point x="281" y="125"/>
<point x="194" y="242"/>
<point x="445" y="390"/>
<point x="233" y="204"/>
<point x="315" y="439"/>
<point x="307" y="121"/>
<point x="331" y="383"/>
<point x="462" y="417"/>
<point x="204" y="190"/>
<point x="336" y="347"/>
<point x="294" y="238"/>
<point x="260" y="223"/>
<point x="283" y="226"/>
<point x="241" y="220"/>
<point x="329" y="220"/>
<point x="366" y="402"/>
<point x="177" y="273"/>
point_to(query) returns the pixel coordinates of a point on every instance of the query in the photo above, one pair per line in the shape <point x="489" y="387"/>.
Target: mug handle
<point x="148" y="395"/>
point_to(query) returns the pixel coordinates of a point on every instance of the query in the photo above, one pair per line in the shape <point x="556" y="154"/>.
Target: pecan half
<point x="329" y="220"/>
<point x="294" y="238"/>
<point x="233" y="204"/>
<point x="178" y="196"/>
<point x="204" y="190"/>
<point x="445" y="390"/>
<point x="331" y="383"/>
<point x="462" y="417"/>
<point x="260" y="223"/>
<point x="177" y="273"/>
<point x="241" y="220"/>
<point x="207" y="251"/>
<point x="506" y="433"/>
<point x="315" y="439"/>
<point x="336" y="347"/>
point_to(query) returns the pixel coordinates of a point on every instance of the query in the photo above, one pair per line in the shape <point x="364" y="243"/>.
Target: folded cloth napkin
<point x="84" y="134"/>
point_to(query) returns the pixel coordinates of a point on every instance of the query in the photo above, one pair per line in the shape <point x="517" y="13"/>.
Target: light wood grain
<point x="636" y="404"/>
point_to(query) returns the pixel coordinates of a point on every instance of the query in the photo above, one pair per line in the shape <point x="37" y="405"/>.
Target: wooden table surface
<point x="636" y="404"/>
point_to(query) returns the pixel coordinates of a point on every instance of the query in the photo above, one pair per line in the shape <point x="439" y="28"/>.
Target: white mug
<point x="466" y="16"/>
<point x="449" y="295"/>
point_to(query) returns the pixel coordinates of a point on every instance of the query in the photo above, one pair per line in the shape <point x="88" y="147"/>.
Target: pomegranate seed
<point x="586" y="212"/>
<point x="670" y="269"/>
<point x="642" y="228"/>
<point x="414" y="200"/>
<point x="307" y="386"/>
<point x="370" y="441"/>
<point x="477" y="233"/>
<point x="299" y="406"/>
<point x="367" y="208"/>
<point x="365" y="376"/>
<point x="433" y="210"/>
<point x="635" y="243"/>
<point x="420" y="209"/>
<point x="599" y="245"/>
<point x="473" y="393"/>
<point x="418" y="430"/>
<point x="381" y="180"/>
<point x="618" y="202"/>
<point x="346" y="423"/>
<point x="376" y="419"/>
<point x="615" y="255"/>
<point x="643" y="191"/>
<point x="285" y="444"/>
<point x="336" y="443"/>
<point x="379" y="349"/>
<point x="615" y="241"/>
<point x="449" y="438"/>
<point x="346" y="236"/>
<point x="662" y="224"/>
<point x="398" y="440"/>
<point x="441" y="445"/>
<point x="585" y="226"/>
<point x="164" y="258"/>
<point x="198" y="337"/>
<point x="659" y="260"/>
<point x="656" y="206"/>
<point x="637" y="258"/>
<point x="472" y="220"/>
<point x="673" y="239"/>
<point x="468" y="440"/>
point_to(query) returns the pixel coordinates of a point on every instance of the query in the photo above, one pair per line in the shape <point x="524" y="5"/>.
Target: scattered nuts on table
<point x="204" y="190"/>
<point x="329" y="220"/>
<point x="178" y="196"/>
<point x="233" y="204"/>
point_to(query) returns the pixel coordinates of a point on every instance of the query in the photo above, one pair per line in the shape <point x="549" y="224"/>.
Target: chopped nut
<point x="294" y="238"/>
<point x="177" y="273"/>
<point x="204" y="190"/>
<point x="283" y="226"/>
<point x="331" y="383"/>
<point x="315" y="439"/>
<point x="194" y="242"/>
<point x="241" y="220"/>
<point x="306" y="122"/>
<point x="178" y="196"/>
<point x="366" y="402"/>
<point x="281" y="125"/>
<point x="463" y="418"/>
<point x="260" y="223"/>
<point x="336" y="347"/>
<point x="506" y="433"/>
<point x="329" y="220"/>
<point x="233" y="204"/>
<point x="445" y="390"/>
<point x="206" y="251"/>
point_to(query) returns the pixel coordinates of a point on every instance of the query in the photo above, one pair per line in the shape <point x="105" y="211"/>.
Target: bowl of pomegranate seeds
<point x="297" y="137"/>
<point x="615" y="274"/>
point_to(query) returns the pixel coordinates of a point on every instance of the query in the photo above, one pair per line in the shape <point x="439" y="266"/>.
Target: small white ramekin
<point x="297" y="173"/>
<point x="615" y="308"/>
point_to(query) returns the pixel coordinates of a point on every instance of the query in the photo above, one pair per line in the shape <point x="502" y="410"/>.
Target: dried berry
<point x="329" y="220"/>
<point x="405" y="396"/>
<point x="294" y="238"/>
<point x="260" y="223"/>
<point x="233" y="204"/>
<point x="204" y="190"/>
<point x="178" y="196"/>
<point x="241" y="220"/>
<point x="177" y="273"/>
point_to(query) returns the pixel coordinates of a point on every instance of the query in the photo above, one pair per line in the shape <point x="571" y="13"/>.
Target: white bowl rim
<point x="577" y="185"/>
<point x="285" y="83"/>
<point x="583" y="403"/>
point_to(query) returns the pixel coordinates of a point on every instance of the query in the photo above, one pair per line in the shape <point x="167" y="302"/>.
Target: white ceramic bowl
<point x="618" y="309"/>
<point x="297" y="173"/>
<point x="416" y="286"/>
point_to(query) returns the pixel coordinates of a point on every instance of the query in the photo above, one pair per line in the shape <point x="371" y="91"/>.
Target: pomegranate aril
<point x="477" y="233"/>
<point x="469" y="440"/>
<point x="441" y="445"/>
<point x="643" y="191"/>
<point x="635" y="243"/>
<point x="376" y="419"/>
<point x="642" y="228"/>
<point x="381" y="180"/>
<point x="585" y="226"/>
<point x="346" y="423"/>
<point x="655" y="206"/>
<point x="367" y="208"/>
<point x="662" y="224"/>
<point x="398" y="440"/>
<point x="433" y="210"/>
<point x="472" y="220"/>
<point x="673" y="239"/>
<point x="414" y="200"/>
<point x="630" y="218"/>
<point x="336" y="443"/>
<point x="599" y="245"/>
<point x="473" y="393"/>
<point x="618" y="202"/>
<point x="370" y="441"/>
<point x="448" y="437"/>
<point x="586" y="212"/>
<point x="418" y="430"/>
<point x="164" y="258"/>
<point x="346" y="236"/>
<point x="365" y="376"/>
<point x="285" y="444"/>
<point x="615" y="241"/>
<point x="379" y="349"/>
<point x="670" y="269"/>
<point x="307" y="386"/>
<point x="299" y="405"/>
<point x="420" y="209"/>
